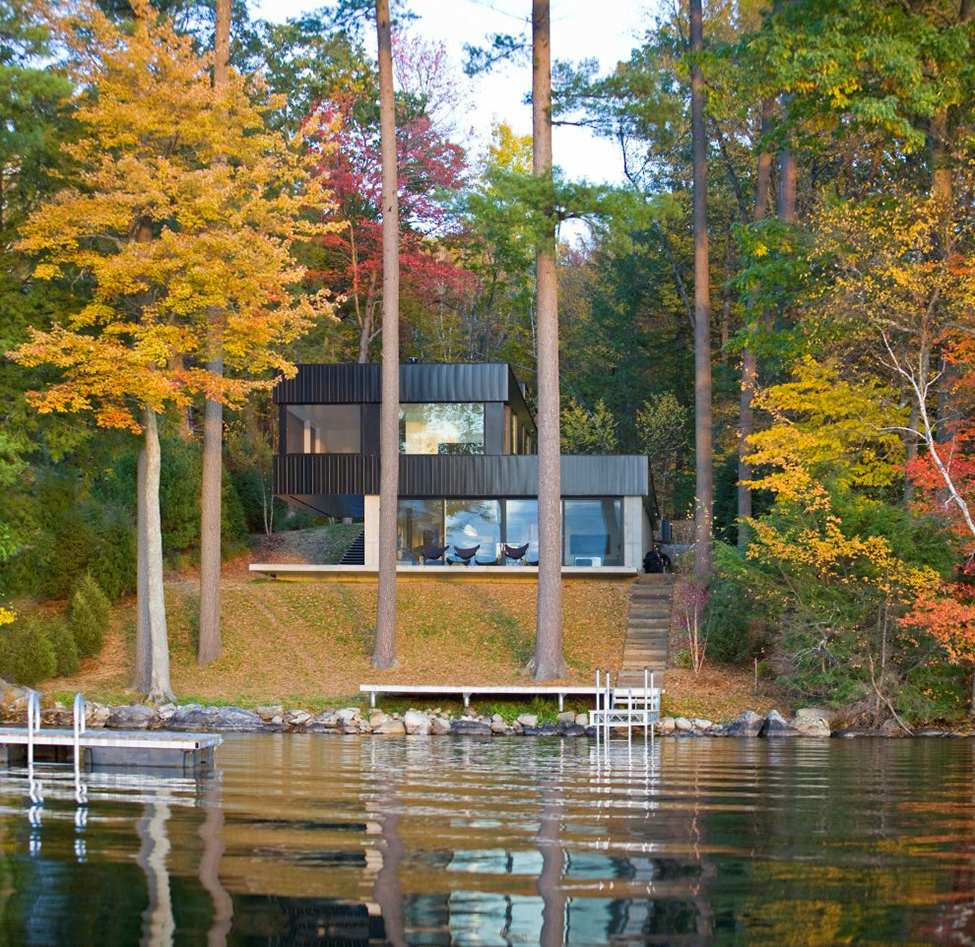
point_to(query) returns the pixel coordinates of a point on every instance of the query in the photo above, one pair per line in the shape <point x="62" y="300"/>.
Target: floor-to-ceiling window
<point x="592" y="533"/>
<point x="521" y="525"/>
<point x="472" y="523"/>
<point x="441" y="428"/>
<point x="419" y="523"/>
<point x="592" y="529"/>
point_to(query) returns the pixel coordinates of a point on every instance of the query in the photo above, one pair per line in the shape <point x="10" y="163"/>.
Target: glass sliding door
<point x="521" y="525"/>
<point x="418" y="523"/>
<point x="475" y="523"/>
<point x="592" y="533"/>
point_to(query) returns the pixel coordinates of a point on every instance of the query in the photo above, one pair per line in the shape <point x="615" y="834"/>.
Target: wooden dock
<point x="129" y="748"/>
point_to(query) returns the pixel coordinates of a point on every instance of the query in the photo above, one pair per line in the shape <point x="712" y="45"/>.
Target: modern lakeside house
<point x="468" y="471"/>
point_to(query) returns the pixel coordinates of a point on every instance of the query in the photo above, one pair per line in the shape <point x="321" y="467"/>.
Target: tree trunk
<point x="547" y="661"/>
<point x="210" y="644"/>
<point x="384" y="653"/>
<point x="749" y="364"/>
<point x="211" y="487"/>
<point x="140" y="681"/>
<point x="788" y="174"/>
<point x="703" y="510"/>
<point x="160" y="690"/>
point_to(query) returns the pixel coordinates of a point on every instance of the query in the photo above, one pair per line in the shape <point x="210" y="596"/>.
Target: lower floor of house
<point x="597" y="532"/>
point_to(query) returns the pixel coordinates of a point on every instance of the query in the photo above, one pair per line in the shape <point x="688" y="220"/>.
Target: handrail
<point x="33" y="725"/>
<point x="80" y="724"/>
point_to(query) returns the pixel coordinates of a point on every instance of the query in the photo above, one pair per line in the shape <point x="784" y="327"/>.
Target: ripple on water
<point x="303" y="839"/>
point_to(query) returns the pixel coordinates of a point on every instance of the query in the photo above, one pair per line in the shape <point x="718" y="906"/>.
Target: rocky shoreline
<point x="808" y="722"/>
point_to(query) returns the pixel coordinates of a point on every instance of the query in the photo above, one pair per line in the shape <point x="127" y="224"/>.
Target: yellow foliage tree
<point x="186" y="203"/>
<point x="823" y="424"/>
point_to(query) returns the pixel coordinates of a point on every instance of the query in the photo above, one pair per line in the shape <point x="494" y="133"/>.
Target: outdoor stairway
<point x="355" y="555"/>
<point x="647" y="627"/>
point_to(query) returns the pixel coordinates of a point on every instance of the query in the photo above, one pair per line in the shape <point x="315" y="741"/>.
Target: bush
<point x="114" y="565"/>
<point x="26" y="653"/>
<point x="90" y="614"/>
<point x="254" y="493"/>
<point x="233" y="522"/>
<point x="179" y="494"/>
<point x="65" y="648"/>
<point x="732" y="606"/>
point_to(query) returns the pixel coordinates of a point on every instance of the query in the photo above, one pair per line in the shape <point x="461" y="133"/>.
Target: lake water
<point x="433" y="841"/>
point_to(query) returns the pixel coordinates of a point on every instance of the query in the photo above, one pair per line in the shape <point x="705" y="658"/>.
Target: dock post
<point x="629" y="719"/>
<point x="595" y="718"/>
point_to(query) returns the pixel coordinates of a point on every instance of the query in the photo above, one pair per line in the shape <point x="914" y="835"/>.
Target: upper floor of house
<point x="447" y="409"/>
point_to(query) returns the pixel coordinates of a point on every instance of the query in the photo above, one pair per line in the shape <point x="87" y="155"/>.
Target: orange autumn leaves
<point x="182" y="204"/>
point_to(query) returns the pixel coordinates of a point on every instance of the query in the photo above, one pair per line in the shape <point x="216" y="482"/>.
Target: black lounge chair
<point x="515" y="552"/>
<point x="465" y="555"/>
<point x="432" y="553"/>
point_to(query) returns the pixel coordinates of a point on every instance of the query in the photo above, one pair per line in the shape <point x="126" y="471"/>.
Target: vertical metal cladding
<point x="484" y="475"/>
<point x="419" y="383"/>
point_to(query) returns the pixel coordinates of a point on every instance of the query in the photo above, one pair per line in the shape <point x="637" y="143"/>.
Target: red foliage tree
<point x="430" y="168"/>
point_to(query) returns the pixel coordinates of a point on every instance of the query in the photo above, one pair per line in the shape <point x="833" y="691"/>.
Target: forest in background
<point x="840" y="223"/>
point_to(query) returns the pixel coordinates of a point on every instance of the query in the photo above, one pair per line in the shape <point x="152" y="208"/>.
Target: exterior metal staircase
<point x="355" y="555"/>
<point x="647" y="630"/>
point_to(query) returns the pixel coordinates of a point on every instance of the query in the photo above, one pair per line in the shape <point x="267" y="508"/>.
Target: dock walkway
<point x="112" y="747"/>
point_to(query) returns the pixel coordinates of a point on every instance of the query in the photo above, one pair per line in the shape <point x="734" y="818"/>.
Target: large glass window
<point x="521" y="525"/>
<point x="442" y="428"/>
<point x="418" y="523"/>
<point x="592" y="533"/>
<point x="322" y="429"/>
<point x="475" y="523"/>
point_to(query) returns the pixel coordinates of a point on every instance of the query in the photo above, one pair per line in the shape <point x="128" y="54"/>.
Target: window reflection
<point x="521" y="526"/>
<point x="475" y="523"/>
<point x="441" y="428"/>
<point x="323" y="429"/>
<point x="592" y="533"/>
<point x="418" y="523"/>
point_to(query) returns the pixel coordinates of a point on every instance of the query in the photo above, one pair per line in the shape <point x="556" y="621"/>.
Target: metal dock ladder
<point x="625" y="707"/>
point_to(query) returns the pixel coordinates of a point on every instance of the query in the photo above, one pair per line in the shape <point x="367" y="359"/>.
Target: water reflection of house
<point x="468" y="468"/>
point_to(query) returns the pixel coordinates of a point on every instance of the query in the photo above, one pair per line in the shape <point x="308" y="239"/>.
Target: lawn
<point x="308" y="644"/>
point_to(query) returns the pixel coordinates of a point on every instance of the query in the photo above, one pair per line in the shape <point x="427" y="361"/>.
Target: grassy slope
<point x="308" y="644"/>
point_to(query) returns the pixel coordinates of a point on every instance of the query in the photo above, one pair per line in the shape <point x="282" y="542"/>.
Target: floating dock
<point x="129" y="748"/>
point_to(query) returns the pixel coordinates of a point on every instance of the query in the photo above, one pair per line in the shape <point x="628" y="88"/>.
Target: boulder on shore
<point x="225" y="719"/>
<point x="416" y="722"/>
<point x="777" y="726"/>
<point x="468" y="727"/>
<point x="132" y="717"/>
<point x="390" y="726"/>
<point x="812" y="722"/>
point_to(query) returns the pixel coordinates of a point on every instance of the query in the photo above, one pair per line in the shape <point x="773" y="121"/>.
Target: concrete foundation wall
<point x="371" y="531"/>
<point x="636" y="531"/>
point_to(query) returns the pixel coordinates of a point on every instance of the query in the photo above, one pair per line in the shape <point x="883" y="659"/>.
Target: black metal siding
<point x="419" y="383"/>
<point x="434" y="475"/>
<point x="370" y="429"/>
<point x="494" y="428"/>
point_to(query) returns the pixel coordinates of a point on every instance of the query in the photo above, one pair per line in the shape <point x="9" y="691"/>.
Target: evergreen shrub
<point x="26" y="653"/>
<point x="89" y="616"/>
<point x="65" y="648"/>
